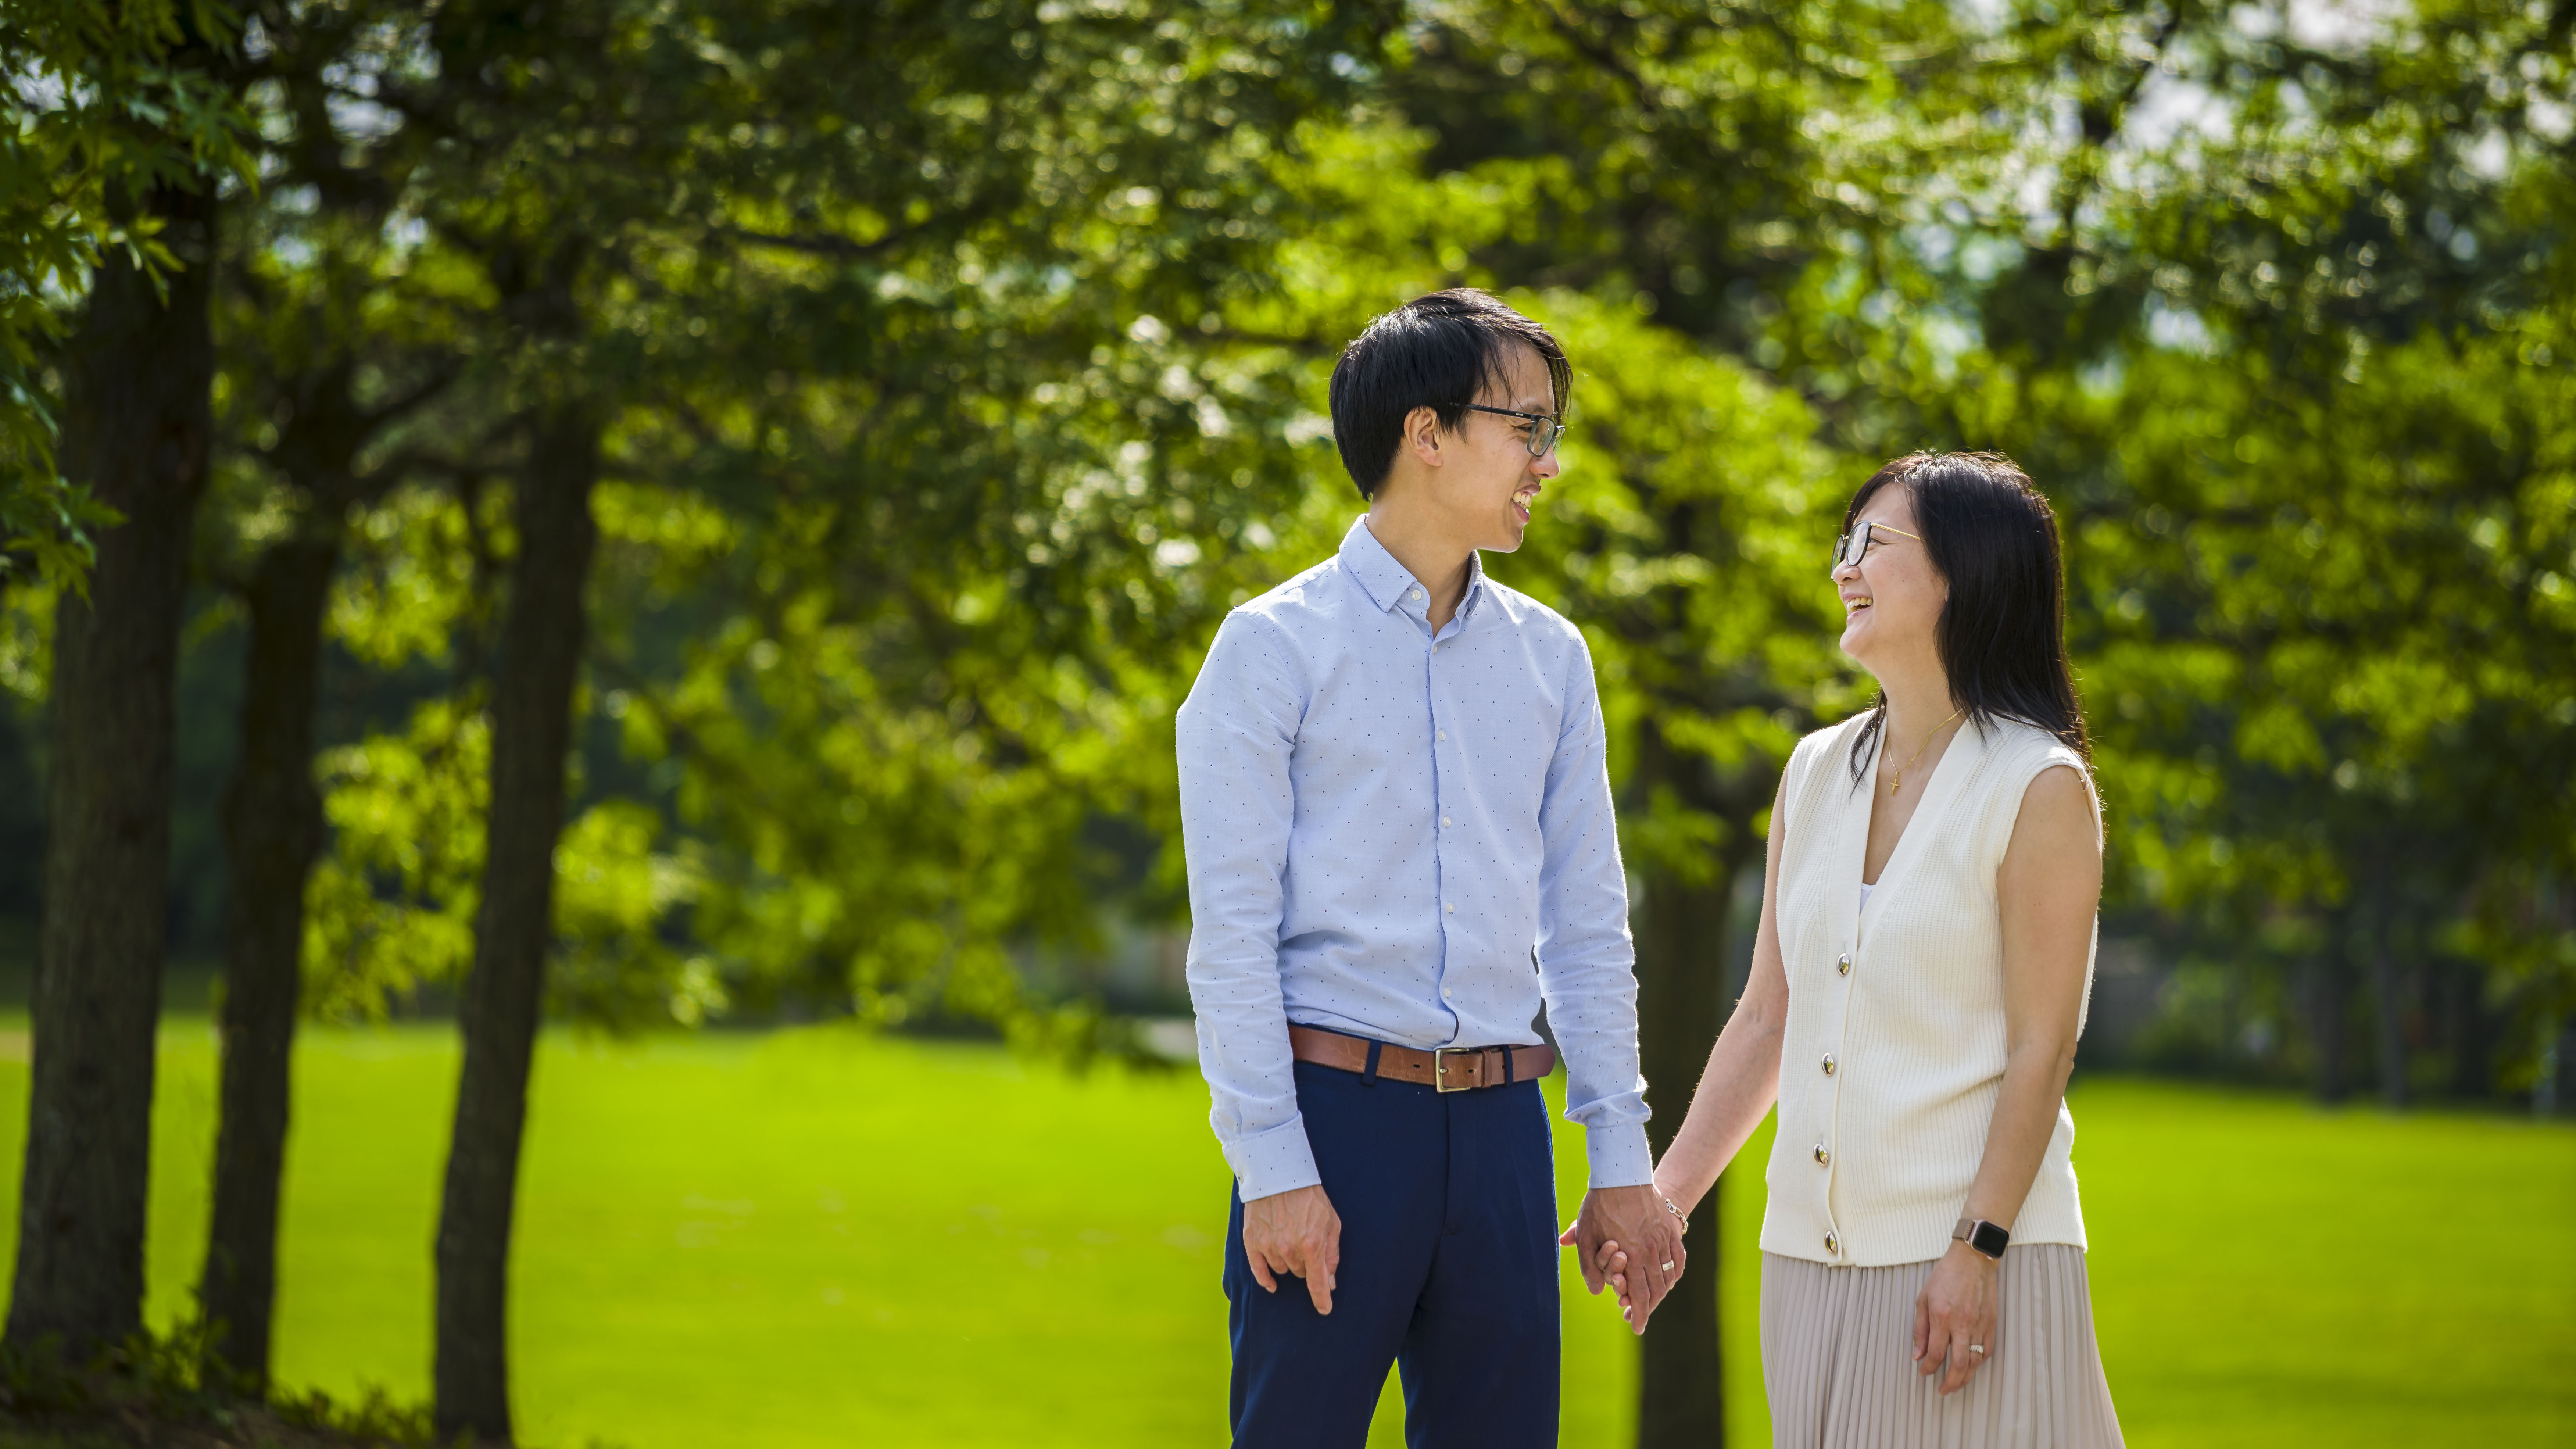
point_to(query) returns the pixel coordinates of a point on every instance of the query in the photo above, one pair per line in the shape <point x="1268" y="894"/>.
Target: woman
<point x="1919" y="980"/>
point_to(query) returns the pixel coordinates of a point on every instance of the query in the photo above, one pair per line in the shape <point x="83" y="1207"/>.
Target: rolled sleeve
<point x="1587" y="960"/>
<point x="1236" y="737"/>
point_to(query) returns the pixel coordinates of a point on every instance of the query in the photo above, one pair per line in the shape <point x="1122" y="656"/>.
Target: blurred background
<point x="781" y="462"/>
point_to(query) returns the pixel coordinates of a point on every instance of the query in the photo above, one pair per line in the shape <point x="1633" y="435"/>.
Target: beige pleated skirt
<point x="1837" y="1360"/>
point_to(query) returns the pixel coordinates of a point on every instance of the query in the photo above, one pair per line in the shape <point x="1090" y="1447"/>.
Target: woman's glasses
<point x="1543" y="433"/>
<point x="1852" y="547"/>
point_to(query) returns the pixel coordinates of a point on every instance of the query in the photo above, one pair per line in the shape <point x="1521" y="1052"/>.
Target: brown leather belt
<point x="1448" y="1069"/>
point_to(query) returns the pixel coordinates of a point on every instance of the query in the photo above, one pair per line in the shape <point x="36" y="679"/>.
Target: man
<point x="1393" y="798"/>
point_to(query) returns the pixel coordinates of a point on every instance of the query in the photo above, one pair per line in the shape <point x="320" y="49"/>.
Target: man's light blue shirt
<point x="1407" y="836"/>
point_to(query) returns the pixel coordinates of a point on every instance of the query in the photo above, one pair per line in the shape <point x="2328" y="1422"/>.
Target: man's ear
<point x="1422" y="435"/>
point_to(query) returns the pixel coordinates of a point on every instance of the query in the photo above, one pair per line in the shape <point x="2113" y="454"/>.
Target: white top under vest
<point x="1893" y="1053"/>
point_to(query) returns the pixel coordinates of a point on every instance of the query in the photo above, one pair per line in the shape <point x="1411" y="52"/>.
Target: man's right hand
<point x="1294" y="1232"/>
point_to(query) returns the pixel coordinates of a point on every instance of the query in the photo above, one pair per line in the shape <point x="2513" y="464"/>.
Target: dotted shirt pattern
<point x="1384" y="828"/>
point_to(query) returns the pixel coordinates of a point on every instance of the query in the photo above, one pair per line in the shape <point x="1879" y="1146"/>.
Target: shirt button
<point x="1842" y="967"/>
<point x="1449" y="907"/>
<point x="1417" y="593"/>
<point x="1444" y="822"/>
<point x="1444" y="993"/>
<point x="1444" y="734"/>
<point x="1833" y="1244"/>
<point x="1829" y="1064"/>
<point x="1822" y="1156"/>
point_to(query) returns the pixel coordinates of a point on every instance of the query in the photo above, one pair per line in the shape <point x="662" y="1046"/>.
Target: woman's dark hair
<point x="2002" y="633"/>
<point x="1433" y="352"/>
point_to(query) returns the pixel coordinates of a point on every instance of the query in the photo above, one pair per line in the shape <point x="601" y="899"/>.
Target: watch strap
<point x="1981" y="1235"/>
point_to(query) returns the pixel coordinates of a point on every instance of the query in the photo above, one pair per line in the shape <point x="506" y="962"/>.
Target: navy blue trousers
<point x="1448" y="1208"/>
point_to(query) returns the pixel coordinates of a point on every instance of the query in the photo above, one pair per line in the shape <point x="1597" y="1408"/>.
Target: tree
<point x="331" y="339"/>
<point x="137" y="435"/>
<point x="73" y="164"/>
<point x="2292" y="365"/>
<point x="605" y="247"/>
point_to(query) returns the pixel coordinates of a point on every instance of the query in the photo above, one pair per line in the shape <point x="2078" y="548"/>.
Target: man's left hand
<point x="1629" y="1221"/>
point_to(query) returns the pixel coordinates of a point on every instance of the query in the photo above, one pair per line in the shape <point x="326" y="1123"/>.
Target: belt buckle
<point x="1440" y="1068"/>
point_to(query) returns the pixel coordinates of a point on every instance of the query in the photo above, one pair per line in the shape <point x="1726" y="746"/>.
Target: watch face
<point x="1988" y="1239"/>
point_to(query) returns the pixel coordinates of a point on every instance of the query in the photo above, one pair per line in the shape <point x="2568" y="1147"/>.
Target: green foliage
<point x="391" y="907"/>
<point x="956" y="367"/>
<point x="104" y="102"/>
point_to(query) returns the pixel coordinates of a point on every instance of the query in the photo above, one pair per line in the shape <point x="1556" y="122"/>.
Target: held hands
<point x="1294" y="1233"/>
<point x="1626" y="1240"/>
<point x="1954" y="1317"/>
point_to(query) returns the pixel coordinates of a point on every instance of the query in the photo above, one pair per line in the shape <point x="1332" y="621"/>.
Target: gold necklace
<point x="1897" y="777"/>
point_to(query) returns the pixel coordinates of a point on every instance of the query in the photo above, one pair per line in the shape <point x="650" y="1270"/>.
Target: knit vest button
<point x="1833" y="1244"/>
<point x="1822" y="1156"/>
<point x="1829" y="1064"/>
<point x="1842" y="966"/>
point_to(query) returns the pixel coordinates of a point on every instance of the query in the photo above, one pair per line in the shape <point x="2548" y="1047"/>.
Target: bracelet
<point x="1676" y="1212"/>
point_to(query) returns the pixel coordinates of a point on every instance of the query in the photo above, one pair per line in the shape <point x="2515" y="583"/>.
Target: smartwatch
<point x="1981" y="1235"/>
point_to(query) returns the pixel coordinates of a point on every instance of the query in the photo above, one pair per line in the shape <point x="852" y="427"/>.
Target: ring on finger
<point x="1976" y="1348"/>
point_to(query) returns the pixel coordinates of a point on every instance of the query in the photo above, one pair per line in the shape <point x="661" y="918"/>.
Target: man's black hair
<point x="1433" y="352"/>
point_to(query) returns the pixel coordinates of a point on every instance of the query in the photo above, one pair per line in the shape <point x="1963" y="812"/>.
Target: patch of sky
<point x="2255" y="22"/>
<point x="1948" y="335"/>
<point x="2102" y="377"/>
<point x="38" y="90"/>
<point x="405" y="232"/>
<point x="1983" y="258"/>
<point x="2486" y="155"/>
<point x="361" y="120"/>
<point x="2343" y="27"/>
<point x="2552" y="120"/>
<point x="2172" y="108"/>
<point x="1982" y="17"/>
<point x="2178" y="329"/>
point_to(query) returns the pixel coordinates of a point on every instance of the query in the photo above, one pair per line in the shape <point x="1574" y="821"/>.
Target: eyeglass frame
<point x="1846" y="556"/>
<point x="1541" y="438"/>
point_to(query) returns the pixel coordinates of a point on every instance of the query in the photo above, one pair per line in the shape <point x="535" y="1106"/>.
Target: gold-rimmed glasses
<point x="1854" y="546"/>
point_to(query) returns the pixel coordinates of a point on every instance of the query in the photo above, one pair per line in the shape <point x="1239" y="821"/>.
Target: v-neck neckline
<point x="1858" y="810"/>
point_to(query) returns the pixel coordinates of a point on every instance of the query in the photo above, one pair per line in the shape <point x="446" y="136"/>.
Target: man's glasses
<point x="1543" y="433"/>
<point x="1852" y="547"/>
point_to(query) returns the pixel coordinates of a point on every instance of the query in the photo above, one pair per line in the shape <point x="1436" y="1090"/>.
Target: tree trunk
<point x="541" y="640"/>
<point x="272" y="832"/>
<point x="137" y="429"/>
<point x="2471" y="1037"/>
<point x="2328" y="993"/>
<point x="2386" y="981"/>
<point x="1682" y="974"/>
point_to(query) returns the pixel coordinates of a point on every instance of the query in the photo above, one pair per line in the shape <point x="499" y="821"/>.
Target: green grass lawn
<point x="821" y="1238"/>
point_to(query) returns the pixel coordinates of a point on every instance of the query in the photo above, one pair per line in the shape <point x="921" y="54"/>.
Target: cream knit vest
<point x="1893" y="1053"/>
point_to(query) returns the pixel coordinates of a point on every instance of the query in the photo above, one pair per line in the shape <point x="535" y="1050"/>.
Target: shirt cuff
<point x="1281" y="1160"/>
<point x="1619" y="1155"/>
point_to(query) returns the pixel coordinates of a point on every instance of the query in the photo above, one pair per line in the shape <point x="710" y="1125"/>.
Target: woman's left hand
<point x="1954" y="1317"/>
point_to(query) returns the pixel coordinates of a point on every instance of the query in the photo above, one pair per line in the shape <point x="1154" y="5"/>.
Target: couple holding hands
<point x="1396" y="807"/>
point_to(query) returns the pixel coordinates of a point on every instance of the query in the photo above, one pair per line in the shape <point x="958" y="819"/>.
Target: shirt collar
<point x="1389" y="585"/>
